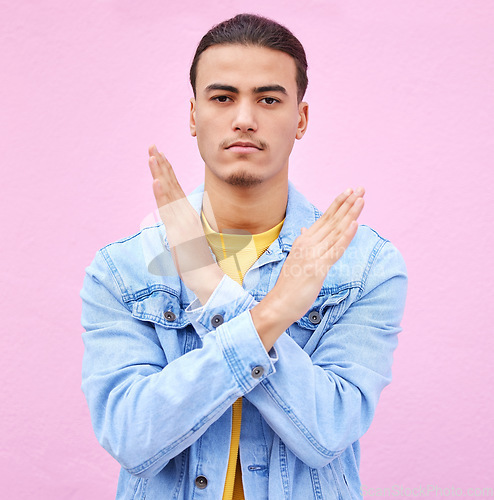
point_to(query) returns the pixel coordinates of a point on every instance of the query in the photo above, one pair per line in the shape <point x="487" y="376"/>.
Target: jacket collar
<point x="299" y="213"/>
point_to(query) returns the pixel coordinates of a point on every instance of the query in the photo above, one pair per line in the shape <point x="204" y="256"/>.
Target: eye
<point x="269" y="100"/>
<point x="220" y="98"/>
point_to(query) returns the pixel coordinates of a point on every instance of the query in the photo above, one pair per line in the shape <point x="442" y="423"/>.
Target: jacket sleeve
<point x="319" y="404"/>
<point x="144" y="408"/>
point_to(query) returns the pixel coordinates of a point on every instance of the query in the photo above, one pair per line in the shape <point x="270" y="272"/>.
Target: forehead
<point x="245" y="67"/>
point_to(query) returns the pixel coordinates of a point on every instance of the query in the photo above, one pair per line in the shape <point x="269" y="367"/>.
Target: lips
<point x="243" y="145"/>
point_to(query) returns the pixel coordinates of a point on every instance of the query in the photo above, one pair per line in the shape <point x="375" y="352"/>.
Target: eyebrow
<point x="256" y="90"/>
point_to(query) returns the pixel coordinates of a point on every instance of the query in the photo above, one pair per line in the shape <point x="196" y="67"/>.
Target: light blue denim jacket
<point x="160" y="372"/>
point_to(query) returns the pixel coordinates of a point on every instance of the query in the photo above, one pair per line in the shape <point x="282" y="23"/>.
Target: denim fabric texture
<point x="160" y="378"/>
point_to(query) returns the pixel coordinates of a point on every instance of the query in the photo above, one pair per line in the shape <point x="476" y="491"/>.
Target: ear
<point x="303" y="112"/>
<point x="193" y="117"/>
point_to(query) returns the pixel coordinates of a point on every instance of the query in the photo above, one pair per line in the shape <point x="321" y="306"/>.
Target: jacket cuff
<point x="244" y="351"/>
<point x="227" y="301"/>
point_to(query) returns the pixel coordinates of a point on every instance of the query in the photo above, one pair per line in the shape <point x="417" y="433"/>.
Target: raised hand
<point x="312" y="255"/>
<point x="190" y="250"/>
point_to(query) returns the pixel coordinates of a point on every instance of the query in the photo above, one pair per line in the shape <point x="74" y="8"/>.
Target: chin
<point x="243" y="179"/>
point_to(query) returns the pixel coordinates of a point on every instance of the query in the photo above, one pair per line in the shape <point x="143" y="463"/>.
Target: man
<point x="239" y="348"/>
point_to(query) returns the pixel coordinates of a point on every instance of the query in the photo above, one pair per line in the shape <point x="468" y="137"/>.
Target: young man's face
<point x="245" y="114"/>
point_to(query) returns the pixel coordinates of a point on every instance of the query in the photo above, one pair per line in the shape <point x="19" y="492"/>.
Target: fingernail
<point x="348" y="192"/>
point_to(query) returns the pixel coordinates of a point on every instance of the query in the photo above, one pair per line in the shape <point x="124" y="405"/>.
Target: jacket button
<point x="257" y="371"/>
<point x="201" y="482"/>
<point x="169" y="316"/>
<point x="217" y="320"/>
<point x="314" y="317"/>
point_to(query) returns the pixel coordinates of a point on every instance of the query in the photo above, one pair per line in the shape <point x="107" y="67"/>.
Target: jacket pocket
<point x="301" y="332"/>
<point x="175" y="332"/>
<point x="162" y="308"/>
<point x="326" y="309"/>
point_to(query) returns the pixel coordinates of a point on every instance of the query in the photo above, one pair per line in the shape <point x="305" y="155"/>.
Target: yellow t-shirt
<point x="235" y="254"/>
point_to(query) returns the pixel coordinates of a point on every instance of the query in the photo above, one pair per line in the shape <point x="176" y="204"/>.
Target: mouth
<point x="243" y="147"/>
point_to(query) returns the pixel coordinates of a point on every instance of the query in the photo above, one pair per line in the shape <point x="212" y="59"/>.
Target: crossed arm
<point x="303" y="273"/>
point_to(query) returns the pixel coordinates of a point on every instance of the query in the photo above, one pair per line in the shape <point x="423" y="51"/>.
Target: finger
<point x="329" y="239"/>
<point x="160" y="158"/>
<point x="348" y="194"/>
<point x="340" y="206"/>
<point x="163" y="193"/>
<point x="329" y="213"/>
<point x="339" y="247"/>
<point x="168" y="189"/>
<point x="153" y="150"/>
<point x="154" y="167"/>
<point x="347" y="205"/>
<point x="166" y="182"/>
<point x="167" y="169"/>
<point x="154" y="153"/>
<point x="330" y="225"/>
<point x="159" y="193"/>
<point x="341" y="225"/>
<point x="154" y="161"/>
<point x="337" y="203"/>
<point x="353" y="213"/>
<point x="163" y="168"/>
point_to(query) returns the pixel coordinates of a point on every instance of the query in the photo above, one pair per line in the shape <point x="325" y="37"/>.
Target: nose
<point x="244" y="119"/>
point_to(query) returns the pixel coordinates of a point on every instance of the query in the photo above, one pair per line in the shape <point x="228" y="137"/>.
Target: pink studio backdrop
<point x="401" y="101"/>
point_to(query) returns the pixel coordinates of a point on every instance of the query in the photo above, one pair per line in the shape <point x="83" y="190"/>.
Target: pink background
<point x="402" y="102"/>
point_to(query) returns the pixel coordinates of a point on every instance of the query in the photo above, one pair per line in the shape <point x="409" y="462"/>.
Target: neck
<point x="254" y="209"/>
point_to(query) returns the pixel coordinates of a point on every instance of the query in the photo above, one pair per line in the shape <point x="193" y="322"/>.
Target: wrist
<point x="209" y="279"/>
<point x="270" y="319"/>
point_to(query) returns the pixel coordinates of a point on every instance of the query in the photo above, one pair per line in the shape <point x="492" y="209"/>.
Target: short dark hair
<point x="250" y="29"/>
